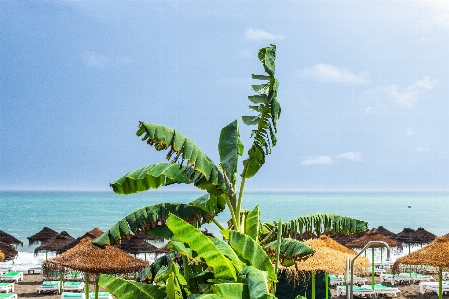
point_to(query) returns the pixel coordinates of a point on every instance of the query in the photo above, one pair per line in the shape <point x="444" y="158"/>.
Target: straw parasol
<point x="382" y="230"/>
<point x="163" y="249"/>
<point x="93" y="234"/>
<point x="9" y="239"/>
<point x="9" y="251"/>
<point x="434" y="254"/>
<point x="92" y="259"/>
<point x="373" y="235"/>
<point x="136" y="245"/>
<point x="55" y="243"/>
<point x="45" y="234"/>
<point x="2" y="256"/>
<point x="345" y="239"/>
<point x="329" y="256"/>
<point x="425" y="235"/>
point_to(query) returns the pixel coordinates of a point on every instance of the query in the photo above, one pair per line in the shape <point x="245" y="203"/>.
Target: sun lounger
<point x="33" y="270"/>
<point x="66" y="295"/>
<point x="74" y="275"/>
<point x="8" y="296"/>
<point x="445" y="288"/>
<point x="335" y="280"/>
<point x="77" y="286"/>
<point x="381" y="289"/>
<point x="101" y="295"/>
<point x="52" y="276"/>
<point x="49" y="286"/>
<point x="356" y="291"/>
<point x="12" y="276"/>
<point x="6" y="287"/>
<point x="424" y="284"/>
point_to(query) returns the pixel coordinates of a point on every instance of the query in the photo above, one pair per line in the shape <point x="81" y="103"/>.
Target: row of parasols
<point x="52" y="241"/>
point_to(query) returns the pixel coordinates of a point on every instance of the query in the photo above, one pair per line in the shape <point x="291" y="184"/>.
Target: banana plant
<point x="241" y="266"/>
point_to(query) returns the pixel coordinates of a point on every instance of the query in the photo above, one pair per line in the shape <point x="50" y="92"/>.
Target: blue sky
<point x="364" y="89"/>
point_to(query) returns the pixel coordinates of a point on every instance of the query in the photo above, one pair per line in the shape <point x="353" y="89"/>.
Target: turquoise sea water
<point x="24" y="213"/>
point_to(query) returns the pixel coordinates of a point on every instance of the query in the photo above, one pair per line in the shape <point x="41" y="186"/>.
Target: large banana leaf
<point x="150" y="218"/>
<point x="257" y="283"/>
<point x="229" y="253"/>
<point x="199" y="168"/>
<point x="150" y="177"/>
<point x="149" y="273"/>
<point x="251" y="251"/>
<point x="253" y="224"/>
<point x="318" y="223"/>
<point x="203" y="246"/>
<point x="231" y="290"/>
<point x="210" y="203"/>
<point x="128" y="289"/>
<point x="205" y="296"/>
<point x="289" y="251"/>
<point x="230" y="147"/>
<point x="268" y="109"/>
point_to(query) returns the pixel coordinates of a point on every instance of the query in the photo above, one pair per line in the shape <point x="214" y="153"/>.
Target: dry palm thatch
<point x="373" y="235"/>
<point x="9" y="239"/>
<point x="92" y="259"/>
<point x="324" y="259"/>
<point x="56" y="243"/>
<point x="382" y="230"/>
<point x="433" y="254"/>
<point x="345" y="239"/>
<point x="425" y="235"/>
<point x="45" y="234"/>
<point x="2" y="256"/>
<point x="326" y="241"/>
<point x="163" y="249"/>
<point x="136" y="245"/>
<point x="9" y="251"/>
<point x="408" y="236"/>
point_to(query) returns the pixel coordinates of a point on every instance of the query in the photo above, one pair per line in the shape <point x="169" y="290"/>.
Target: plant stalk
<point x="239" y="201"/>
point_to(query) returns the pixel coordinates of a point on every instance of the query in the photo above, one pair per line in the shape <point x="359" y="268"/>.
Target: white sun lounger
<point x="356" y="291"/>
<point x="424" y="284"/>
<point x="66" y="295"/>
<point x="6" y="287"/>
<point x="445" y="288"/>
<point x="74" y="275"/>
<point x="8" y="296"/>
<point x="381" y="289"/>
<point x="101" y="295"/>
<point x="49" y="286"/>
<point x="77" y="286"/>
<point x="12" y="276"/>
<point x="33" y="270"/>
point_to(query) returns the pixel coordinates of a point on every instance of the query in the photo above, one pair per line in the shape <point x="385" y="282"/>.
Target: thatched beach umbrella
<point x="373" y="235"/>
<point x="136" y="245"/>
<point x="55" y="243"/>
<point x="45" y="234"/>
<point x="327" y="259"/>
<point x="93" y="234"/>
<point x="434" y="254"/>
<point x="163" y="249"/>
<point x="345" y="239"/>
<point x="9" y="239"/>
<point x="382" y="230"/>
<point x="9" y="251"/>
<point x="425" y="236"/>
<point x="92" y="259"/>
<point x="2" y="256"/>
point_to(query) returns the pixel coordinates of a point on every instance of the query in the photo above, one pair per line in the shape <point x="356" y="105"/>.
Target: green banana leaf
<point x="253" y="224"/>
<point x="231" y="290"/>
<point x="290" y="250"/>
<point x="269" y="111"/>
<point x="205" y="296"/>
<point x="230" y="147"/>
<point x="173" y="289"/>
<point x="184" y="149"/>
<point x="150" y="177"/>
<point x="210" y="203"/>
<point x="257" y="283"/>
<point x="128" y="289"/>
<point x="251" y="251"/>
<point x="318" y="223"/>
<point x="149" y="273"/>
<point x="229" y="253"/>
<point x="150" y="218"/>
<point x="203" y="246"/>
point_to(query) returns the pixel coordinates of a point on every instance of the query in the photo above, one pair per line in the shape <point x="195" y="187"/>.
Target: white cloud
<point x="409" y="132"/>
<point x="369" y="109"/>
<point x="326" y="72"/>
<point x="423" y="149"/>
<point x="320" y="160"/>
<point x="355" y="157"/>
<point x="94" y="60"/>
<point x="405" y="96"/>
<point x="439" y="13"/>
<point x="257" y="34"/>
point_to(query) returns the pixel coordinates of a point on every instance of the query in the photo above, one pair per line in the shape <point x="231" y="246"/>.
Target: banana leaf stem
<point x="278" y="249"/>
<point x="242" y="187"/>
<point x="218" y="224"/>
<point x="231" y="209"/>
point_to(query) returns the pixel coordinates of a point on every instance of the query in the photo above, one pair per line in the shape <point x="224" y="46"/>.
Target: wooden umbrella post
<point x="440" y="283"/>
<point x="86" y="283"/>
<point x="313" y="284"/>
<point x="97" y="286"/>
<point x="326" y="284"/>
<point x="372" y="268"/>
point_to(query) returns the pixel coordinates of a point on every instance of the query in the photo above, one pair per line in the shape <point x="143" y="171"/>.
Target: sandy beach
<point x="28" y="289"/>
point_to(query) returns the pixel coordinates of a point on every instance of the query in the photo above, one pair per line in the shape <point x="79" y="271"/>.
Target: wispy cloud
<point x="423" y="149"/>
<point x="317" y="160"/>
<point x="330" y="73"/>
<point x="257" y="34"/>
<point x="406" y="97"/>
<point x="439" y="13"/>
<point x="351" y="156"/>
<point x="409" y="132"/>
<point x="98" y="61"/>
<point x="369" y="109"/>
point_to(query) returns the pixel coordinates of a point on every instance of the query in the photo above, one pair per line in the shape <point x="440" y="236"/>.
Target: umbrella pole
<point x="60" y="281"/>
<point x="97" y="286"/>
<point x="86" y="285"/>
<point x="145" y="256"/>
<point x="313" y="285"/>
<point x="372" y="267"/>
<point x="46" y="254"/>
<point x="410" y="267"/>
<point x="326" y="284"/>
<point x="440" y="283"/>
<point x="381" y="251"/>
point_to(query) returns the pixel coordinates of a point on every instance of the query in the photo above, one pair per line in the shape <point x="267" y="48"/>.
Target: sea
<point x="24" y="213"/>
